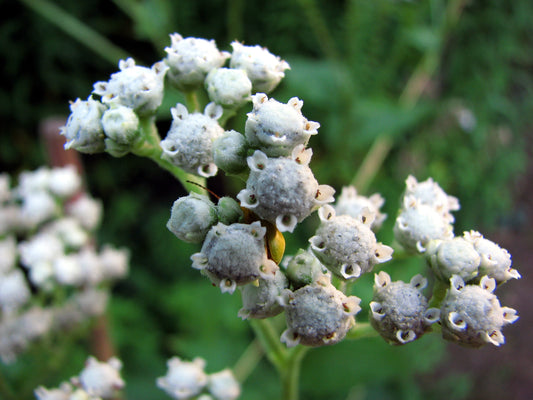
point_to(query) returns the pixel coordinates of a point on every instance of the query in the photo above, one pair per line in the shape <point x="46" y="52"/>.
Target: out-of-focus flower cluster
<point x="100" y="380"/>
<point x="48" y="252"/>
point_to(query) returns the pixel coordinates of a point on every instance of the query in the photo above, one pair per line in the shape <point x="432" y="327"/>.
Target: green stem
<point x="439" y="292"/>
<point x="77" y="29"/>
<point x="151" y="149"/>
<point x="269" y="338"/>
<point x="290" y="375"/>
<point x="361" y="330"/>
<point x="191" y="101"/>
<point x="248" y="361"/>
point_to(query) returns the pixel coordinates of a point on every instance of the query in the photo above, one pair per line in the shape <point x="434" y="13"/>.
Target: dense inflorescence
<point x="242" y="242"/>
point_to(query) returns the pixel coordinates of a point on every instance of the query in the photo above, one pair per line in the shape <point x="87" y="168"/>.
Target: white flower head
<point x="223" y="385"/>
<point x="115" y="262"/>
<point x="264" y="69"/>
<point x="189" y="142"/>
<point x="234" y="255"/>
<point x="455" y="256"/>
<point x="86" y="210"/>
<point x="231" y="88"/>
<point x="83" y="131"/>
<point x="283" y="191"/>
<point x="37" y="207"/>
<point x="419" y="223"/>
<point x="399" y="310"/>
<point x="184" y="379"/>
<point x="136" y="87"/>
<point x="495" y="261"/>
<point x="5" y="190"/>
<point x="191" y="59"/>
<point x="230" y="152"/>
<point x="353" y="204"/>
<point x="100" y="378"/>
<point x="304" y="268"/>
<point x="317" y="314"/>
<point x="14" y="291"/>
<point x="65" y="181"/>
<point x="64" y="392"/>
<point x="430" y="193"/>
<point x="347" y="246"/>
<point x="472" y="315"/>
<point x="277" y="128"/>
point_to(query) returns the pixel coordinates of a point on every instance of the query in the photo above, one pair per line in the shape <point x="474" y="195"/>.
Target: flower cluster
<point x="242" y="242"/>
<point x="97" y="381"/>
<point x="469" y="267"/>
<point x="47" y="224"/>
<point x="188" y="380"/>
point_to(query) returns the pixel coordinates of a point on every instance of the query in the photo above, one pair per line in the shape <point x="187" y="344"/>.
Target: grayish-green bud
<point x="192" y="217"/>
<point x="276" y="128"/>
<point x="228" y="211"/>
<point x="472" y="316"/>
<point x="84" y="131"/>
<point x="283" y="191"/>
<point x="260" y="298"/>
<point x="347" y="246"/>
<point x="451" y="257"/>
<point x="399" y="310"/>
<point x="234" y="255"/>
<point x="230" y="152"/>
<point x="317" y="314"/>
<point x="231" y="88"/>
<point x="303" y="268"/>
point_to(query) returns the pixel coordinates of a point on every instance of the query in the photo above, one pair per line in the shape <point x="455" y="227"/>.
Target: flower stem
<point x="191" y="100"/>
<point x="151" y="149"/>
<point x="269" y="339"/>
<point x="248" y="360"/>
<point x="361" y="330"/>
<point x="290" y="374"/>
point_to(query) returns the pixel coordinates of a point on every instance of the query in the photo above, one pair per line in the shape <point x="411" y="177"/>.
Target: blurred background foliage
<point x="430" y="88"/>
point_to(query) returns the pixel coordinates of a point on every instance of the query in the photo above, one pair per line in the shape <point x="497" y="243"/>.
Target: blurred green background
<point x="436" y="88"/>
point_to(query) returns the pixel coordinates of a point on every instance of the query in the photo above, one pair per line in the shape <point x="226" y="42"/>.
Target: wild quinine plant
<point x="242" y="243"/>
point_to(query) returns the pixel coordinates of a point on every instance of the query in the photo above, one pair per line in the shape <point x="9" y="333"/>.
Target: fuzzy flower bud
<point x="234" y="255"/>
<point x="303" y="268"/>
<point x="419" y="223"/>
<point x="100" y="378"/>
<point x="228" y="211"/>
<point x="283" y="191"/>
<point x="64" y="392"/>
<point x="430" y="193"/>
<point x="454" y="256"/>
<point x="317" y="314"/>
<point x="347" y="246"/>
<point x="191" y="217"/>
<point x="471" y="315"/>
<point x="189" y="142"/>
<point x="276" y="128"/>
<point x="183" y="379"/>
<point x="83" y="131"/>
<point x="259" y="299"/>
<point x="121" y="126"/>
<point x="136" y="87"/>
<point x="191" y="59"/>
<point x="495" y="261"/>
<point x="264" y="69"/>
<point x="230" y="152"/>
<point x="350" y="203"/>
<point x="399" y="310"/>
<point x="223" y="385"/>
<point x="228" y="87"/>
